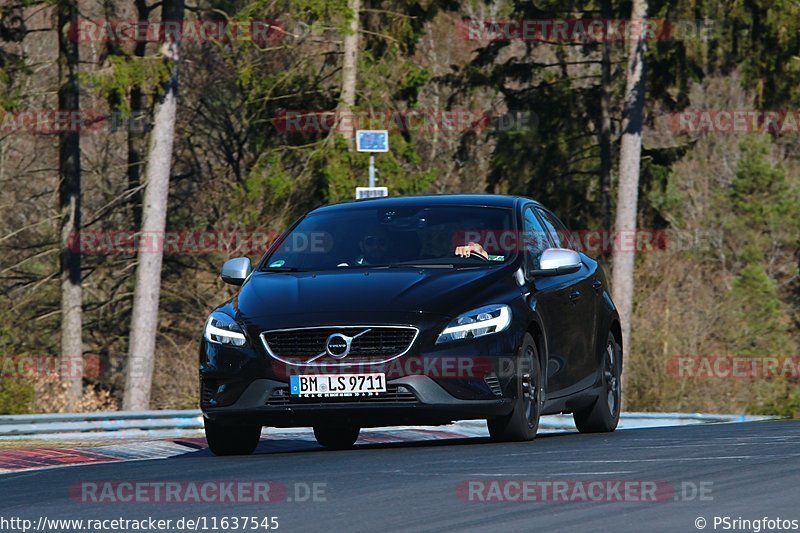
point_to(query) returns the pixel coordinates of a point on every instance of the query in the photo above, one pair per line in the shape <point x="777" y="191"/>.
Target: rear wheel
<point x="521" y="424"/>
<point x="336" y="437"/>
<point x="603" y="415"/>
<point x="231" y="440"/>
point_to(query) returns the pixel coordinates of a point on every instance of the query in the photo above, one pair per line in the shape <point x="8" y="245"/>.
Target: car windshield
<point x="393" y="237"/>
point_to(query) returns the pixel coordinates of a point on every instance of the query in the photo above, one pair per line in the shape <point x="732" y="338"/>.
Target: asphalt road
<point x="747" y="471"/>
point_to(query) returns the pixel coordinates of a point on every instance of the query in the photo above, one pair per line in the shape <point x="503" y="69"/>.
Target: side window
<point x="556" y="229"/>
<point x="534" y="239"/>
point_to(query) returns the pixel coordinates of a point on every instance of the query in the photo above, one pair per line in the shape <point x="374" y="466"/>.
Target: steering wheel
<point x="473" y="253"/>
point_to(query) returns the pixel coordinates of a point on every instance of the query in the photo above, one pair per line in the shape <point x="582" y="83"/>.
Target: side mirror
<point x="557" y="261"/>
<point x="236" y="270"/>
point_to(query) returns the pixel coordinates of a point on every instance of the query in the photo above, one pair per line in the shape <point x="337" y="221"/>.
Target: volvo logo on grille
<point x="333" y="345"/>
<point x="338" y="345"/>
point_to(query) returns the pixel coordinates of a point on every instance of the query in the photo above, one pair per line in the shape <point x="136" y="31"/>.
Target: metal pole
<point x="372" y="170"/>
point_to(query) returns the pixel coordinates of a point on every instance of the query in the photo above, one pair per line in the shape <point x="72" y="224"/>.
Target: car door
<point x="549" y="298"/>
<point x="580" y="301"/>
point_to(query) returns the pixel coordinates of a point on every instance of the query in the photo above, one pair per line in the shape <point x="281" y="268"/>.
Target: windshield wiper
<point x="280" y="269"/>
<point x="414" y="264"/>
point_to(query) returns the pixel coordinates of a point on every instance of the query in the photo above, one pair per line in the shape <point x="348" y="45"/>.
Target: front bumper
<point x="429" y="385"/>
<point x="414" y="400"/>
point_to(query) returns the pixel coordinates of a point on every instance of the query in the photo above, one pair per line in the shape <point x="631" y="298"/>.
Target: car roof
<point x="483" y="200"/>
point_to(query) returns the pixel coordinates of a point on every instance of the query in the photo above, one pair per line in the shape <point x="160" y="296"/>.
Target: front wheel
<point x="603" y="415"/>
<point x="231" y="440"/>
<point x="337" y="437"/>
<point x="523" y="422"/>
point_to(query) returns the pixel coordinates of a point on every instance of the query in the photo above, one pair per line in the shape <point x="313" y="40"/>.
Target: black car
<point x="412" y="310"/>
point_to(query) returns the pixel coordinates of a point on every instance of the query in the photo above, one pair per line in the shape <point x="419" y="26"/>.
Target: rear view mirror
<point x="558" y="261"/>
<point x="236" y="270"/>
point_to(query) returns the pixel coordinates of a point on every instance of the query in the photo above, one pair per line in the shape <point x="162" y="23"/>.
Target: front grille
<point x="394" y="394"/>
<point x="379" y="344"/>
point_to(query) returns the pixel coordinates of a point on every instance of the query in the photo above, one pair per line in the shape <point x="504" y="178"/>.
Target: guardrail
<point x="175" y="423"/>
<point x="15" y="426"/>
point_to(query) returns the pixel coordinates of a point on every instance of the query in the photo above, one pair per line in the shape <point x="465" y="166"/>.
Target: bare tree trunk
<point x="629" y="159"/>
<point x="144" y="323"/>
<point x="605" y="124"/>
<point x="349" y="71"/>
<point x="69" y="200"/>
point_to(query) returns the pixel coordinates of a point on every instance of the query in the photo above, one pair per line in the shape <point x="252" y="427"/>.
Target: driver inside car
<point x="470" y="248"/>
<point x="375" y="248"/>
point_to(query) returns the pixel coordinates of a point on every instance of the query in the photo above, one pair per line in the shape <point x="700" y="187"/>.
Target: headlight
<point x="477" y="323"/>
<point x="222" y="329"/>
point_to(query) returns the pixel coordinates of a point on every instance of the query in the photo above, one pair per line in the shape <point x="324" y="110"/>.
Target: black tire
<point x="231" y="440"/>
<point x="336" y="437"/>
<point x="523" y="422"/>
<point x="603" y="415"/>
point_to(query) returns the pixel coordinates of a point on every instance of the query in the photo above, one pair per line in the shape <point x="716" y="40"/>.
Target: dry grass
<point x="50" y="396"/>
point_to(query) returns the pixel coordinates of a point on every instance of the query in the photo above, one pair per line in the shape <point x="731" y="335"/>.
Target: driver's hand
<point x="472" y="247"/>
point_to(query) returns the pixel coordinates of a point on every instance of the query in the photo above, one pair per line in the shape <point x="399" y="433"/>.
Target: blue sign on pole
<point x="372" y="140"/>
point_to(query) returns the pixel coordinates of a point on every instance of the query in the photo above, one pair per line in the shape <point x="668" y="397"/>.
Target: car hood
<point x="431" y="290"/>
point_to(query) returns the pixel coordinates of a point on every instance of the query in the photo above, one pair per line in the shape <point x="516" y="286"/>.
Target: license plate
<point x="333" y="385"/>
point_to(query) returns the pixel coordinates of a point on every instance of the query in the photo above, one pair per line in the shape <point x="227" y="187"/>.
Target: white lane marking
<point x="669" y="460"/>
<point x="592" y="473"/>
<point x="21" y="473"/>
<point x="555" y="474"/>
<point x="502" y="475"/>
<point x="540" y="453"/>
<point x="715" y="444"/>
<point x="401" y="473"/>
<point x="736" y="438"/>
